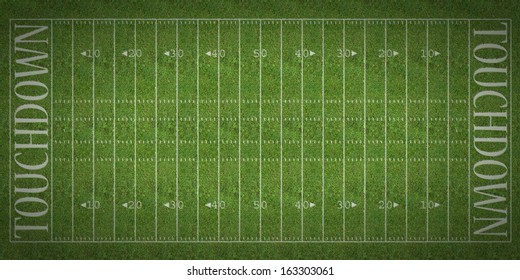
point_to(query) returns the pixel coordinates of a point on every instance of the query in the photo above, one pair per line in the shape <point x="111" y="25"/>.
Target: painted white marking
<point x="167" y="53"/>
<point x="260" y="129"/>
<point x="208" y="53"/>
<point x="155" y="136"/>
<point x="311" y="205"/>
<point x="394" y="53"/>
<point x="239" y="133"/>
<point x="406" y="131"/>
<point x="208" y="204"/>
<point x="281" y="130"/>
<point x="302" y="130"/>
<point x="448" y="98"/>
<point x="177" y="132"/>
<point x="125" y="204"/>
<point x="323" y="130"/>
<point x="395" y="204"/>
<point x="125" y="53"/>
<point x="352" y="205"/>
<point x="84" y="205"/>
<point x="365" y="130"/>
<point x="93" y="131"/>
<point x="167" y="205"/>
<point x="198" y="134"/>
<point x="72" y="132"/>
<point x="311" y="53"/>
<point x="135" y="130"/>
<point x="84" y="53"/>
<point x="386" y="133"/>
<point x="427" y="135"/>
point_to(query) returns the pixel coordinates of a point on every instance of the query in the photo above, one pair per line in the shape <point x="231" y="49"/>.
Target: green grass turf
<point x="180" y="181"/>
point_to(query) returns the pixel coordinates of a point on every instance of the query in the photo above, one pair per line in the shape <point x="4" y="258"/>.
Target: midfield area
<point x="283" y="130"/>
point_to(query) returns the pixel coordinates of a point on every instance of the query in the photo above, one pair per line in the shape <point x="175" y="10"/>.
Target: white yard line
<point x="218" y="129"/>
<point x="198" y="134"/>
<point x="365" y="130"/>
<point x="302" y="130"/>
<point x="260" y="132"/>
<point x="386" y="133"/>
<point x="448" y="101"/>
<point x="239" y="135"/>
<point x="155" y="144"/>
<point x="281" y="130"/>
<point x="427" y="134"/>
<point x="135" y="130"/>
<point x="177" y="130"/>
<point x="93" y="130"/>
<point x="72" y="133"/>
<point x="323" y="130"/>
<point x="114" y="129"/>
<point x="406" y="131"/>
<point x="343" y="175"/>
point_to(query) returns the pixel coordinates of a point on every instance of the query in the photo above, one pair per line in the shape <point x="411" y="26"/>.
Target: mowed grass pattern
<point x="260" y="130"/>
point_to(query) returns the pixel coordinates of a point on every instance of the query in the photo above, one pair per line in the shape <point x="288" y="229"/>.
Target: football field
<point x="260" y="132"/>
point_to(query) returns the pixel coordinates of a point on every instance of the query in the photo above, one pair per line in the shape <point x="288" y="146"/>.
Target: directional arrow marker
<point x="84" y="53"/>
<point x="311" y="205"/>
<point x="208" y="53"/>
<point x="353" y="53"/>
<point x="394" y="53"/>
<point x="352" y="205"/>
<point x="208" y="204"/>
<point x="84" y="205"/>
<point x="435" y="205"/>
<point x="395" y="204"/>
<point x="167" y="53"/>
<point x="436" y="53"/>
<point x="125" y="204"/>
<point x="125" y="53"/>
<point x="311" y="53"/>
<point x="167" y="205"/>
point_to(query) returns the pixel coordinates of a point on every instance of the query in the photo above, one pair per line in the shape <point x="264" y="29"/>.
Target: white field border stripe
<point x="93" y="92"/>
<point x="469" y="133"/>
<point x="257" y="19"/>
<point x="93" y="130"/>
<point x="52" y="130"/>
<point x="511" y="131"/>
<point x="10" y="129"/>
